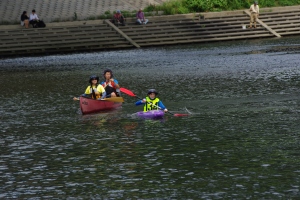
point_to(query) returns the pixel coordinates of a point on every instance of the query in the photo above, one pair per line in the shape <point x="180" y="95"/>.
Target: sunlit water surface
<point x="240" y="141"/>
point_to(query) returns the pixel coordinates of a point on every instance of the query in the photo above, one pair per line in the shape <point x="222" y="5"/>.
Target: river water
<point x="240" y="141"/>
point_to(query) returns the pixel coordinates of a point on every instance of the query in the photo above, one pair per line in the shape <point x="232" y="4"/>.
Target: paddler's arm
<point x="78" y="98"/>
<point x="101" y="91"/>
<point x="162" y="106"/>
<point x="116" y="83"/>
<point x="86" y="94"/>
<point x="117" y="87"/>
<point x="103" y="95"/>
<point x="140" y="102"/>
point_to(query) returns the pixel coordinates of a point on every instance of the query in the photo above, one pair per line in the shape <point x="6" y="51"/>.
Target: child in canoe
<point x="110" y="84"/>
<point x="151" y="102"/>
<point x="95" y="90"/>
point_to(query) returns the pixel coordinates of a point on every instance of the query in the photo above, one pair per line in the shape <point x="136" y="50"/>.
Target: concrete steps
<point x="64" y="39"/>
<point x="283" y="13"/>
<point x="165" y="30"/>
<point x="62" y="49"/>
<point x="198" y="40"/>
<point x="284" y="22"/>
<point x="188" y="30"/>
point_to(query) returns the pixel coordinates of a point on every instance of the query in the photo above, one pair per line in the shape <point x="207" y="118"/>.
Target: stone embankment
<point x="96" y="35"/>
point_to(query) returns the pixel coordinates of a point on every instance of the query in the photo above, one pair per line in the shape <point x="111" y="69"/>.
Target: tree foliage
<point x="190" y="6"/>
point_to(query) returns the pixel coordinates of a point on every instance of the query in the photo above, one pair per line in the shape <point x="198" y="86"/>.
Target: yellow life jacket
<point x="151" y="104"/>
<point x="91" y="92"/>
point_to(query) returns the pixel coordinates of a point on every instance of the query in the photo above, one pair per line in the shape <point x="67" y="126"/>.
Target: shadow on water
<point x="240" y="141"/>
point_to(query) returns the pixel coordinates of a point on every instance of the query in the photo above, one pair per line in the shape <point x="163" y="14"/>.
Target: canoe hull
<point x="152" y="114"/>
<point x="88" y="106"/>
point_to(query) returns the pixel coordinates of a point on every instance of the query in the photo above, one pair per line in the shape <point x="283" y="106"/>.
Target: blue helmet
<point x="152" y="91"/>
<point x="93" y="77"/>
<point x="108" y="70"/>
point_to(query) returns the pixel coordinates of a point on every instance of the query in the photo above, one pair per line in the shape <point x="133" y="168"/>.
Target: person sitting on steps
<point x="140" y="17"/>
<point x="25" y="19"/>
<point x="33" y="19"/>
<point x="118" y="19"/>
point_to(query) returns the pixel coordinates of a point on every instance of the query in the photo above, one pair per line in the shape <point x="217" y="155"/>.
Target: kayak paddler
<point x="151" y="102"/>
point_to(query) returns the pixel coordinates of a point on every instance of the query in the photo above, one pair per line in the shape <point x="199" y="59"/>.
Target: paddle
<point x="130" y="93"/>
<point x="114" y="99"/>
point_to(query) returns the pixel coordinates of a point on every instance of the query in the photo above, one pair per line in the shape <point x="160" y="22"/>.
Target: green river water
<point x="241" y="140"/>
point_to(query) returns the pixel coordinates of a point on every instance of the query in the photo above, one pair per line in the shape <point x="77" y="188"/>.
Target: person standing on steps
<point x="254" y="10"/>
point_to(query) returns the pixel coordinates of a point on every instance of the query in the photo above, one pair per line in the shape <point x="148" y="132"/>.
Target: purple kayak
<point x="152" y="114"/>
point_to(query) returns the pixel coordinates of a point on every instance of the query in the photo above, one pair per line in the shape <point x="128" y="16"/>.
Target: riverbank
<point x="93" y="35"/>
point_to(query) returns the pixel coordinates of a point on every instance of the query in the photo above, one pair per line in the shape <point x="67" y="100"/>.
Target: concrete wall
<point x="51" y="10"/>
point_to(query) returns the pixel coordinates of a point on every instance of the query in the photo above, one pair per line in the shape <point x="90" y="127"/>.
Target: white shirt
<point x="254" y="9"/>
<point x="33" y="17"/>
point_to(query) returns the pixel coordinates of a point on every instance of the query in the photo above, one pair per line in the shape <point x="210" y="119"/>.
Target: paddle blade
<point x="180" y="115"/>
<point x="115" y="99"/>
<point x="128" y="92"/>
<point x="177" y="114"/>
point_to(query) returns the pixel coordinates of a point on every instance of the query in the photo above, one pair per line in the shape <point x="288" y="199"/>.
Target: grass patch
<point x="172" y="7"/>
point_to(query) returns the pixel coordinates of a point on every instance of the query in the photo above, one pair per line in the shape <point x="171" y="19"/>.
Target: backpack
<point x="41" y="24"/>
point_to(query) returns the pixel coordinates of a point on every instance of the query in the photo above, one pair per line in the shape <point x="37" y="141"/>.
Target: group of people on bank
<point x="118" y="18"/>
<point x="33" y="19"/>
<point x="110" y="87"/>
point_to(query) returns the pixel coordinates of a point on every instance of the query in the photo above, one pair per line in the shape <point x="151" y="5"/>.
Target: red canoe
<point x="91" y="105"/>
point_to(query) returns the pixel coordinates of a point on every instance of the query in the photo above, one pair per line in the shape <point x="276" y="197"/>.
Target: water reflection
<point x="241" y="140"/>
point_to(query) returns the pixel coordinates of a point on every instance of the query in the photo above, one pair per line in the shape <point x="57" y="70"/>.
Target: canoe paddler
<point x="151" y="102"/>
<point x="110" y="84"/>
<point x="94" y="90"/>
